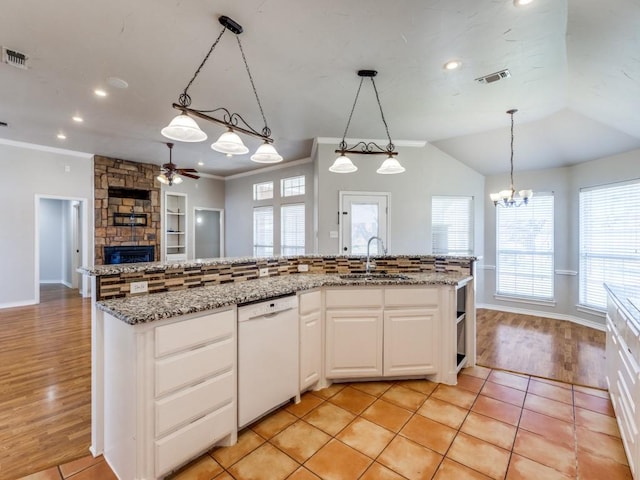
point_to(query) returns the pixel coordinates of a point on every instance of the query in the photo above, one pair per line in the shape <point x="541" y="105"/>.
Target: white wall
<point x="565" y="184"/>
<point x="33" y="171"/>
<point x="429" y="172"/>
<point x="205" y="193"/>
<point x="239" y="206"/>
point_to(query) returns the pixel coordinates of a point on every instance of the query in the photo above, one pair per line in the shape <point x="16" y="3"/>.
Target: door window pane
<point x="364" y="225"/>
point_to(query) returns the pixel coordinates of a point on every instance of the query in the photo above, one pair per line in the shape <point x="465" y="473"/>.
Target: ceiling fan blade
<point x="192" y="170"/>
<point x="190" y="175"/>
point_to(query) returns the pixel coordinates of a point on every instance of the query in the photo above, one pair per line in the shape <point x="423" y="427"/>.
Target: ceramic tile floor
<point x="492" y="425"/>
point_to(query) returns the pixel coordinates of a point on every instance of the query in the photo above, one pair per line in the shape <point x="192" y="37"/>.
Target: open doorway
<point x="61" y="243"/>
<point x="208" y="232"/>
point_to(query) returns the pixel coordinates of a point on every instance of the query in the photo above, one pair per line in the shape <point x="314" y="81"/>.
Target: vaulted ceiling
<point x="574" y="64"/>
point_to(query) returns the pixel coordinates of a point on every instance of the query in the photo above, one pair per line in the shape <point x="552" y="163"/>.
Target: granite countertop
<point x="148" y="308"/>
<point x="629" y="299"/>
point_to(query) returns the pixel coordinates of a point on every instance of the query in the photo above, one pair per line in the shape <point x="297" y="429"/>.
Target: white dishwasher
<point x="267" y="356"/>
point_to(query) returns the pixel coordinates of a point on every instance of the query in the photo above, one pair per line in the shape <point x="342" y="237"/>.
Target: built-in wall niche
<point x="135" y="193"/>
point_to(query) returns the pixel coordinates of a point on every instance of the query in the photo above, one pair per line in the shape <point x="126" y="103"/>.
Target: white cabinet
<point x="175" y="226"/>
<point x="410" y="341"/>
<point x="170" y="391"/>
<point x="623" y="378"/>
<point x="309" y="304"/>
<point x="382" y="332"/>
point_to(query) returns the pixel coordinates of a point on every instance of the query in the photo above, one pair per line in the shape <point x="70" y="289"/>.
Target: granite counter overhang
<point x="623" y="296"/>
<point x="148" y="308"/>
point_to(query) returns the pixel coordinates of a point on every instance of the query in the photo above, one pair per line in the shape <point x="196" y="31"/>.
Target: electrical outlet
<point x="303" y="267"/>
<point x="264" y="272"/>
<point x="139" y="287"/>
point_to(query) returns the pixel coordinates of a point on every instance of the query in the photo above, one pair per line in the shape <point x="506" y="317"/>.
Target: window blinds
<point x="524" y="249"/>
<point x="452" y="225"/>
<point x="263" y="231"/>
<point x="609" y="240"/>
<point x="292" y="229"/>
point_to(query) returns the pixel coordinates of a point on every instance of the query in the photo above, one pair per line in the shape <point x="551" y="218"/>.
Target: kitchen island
<point x="165" y="372"/>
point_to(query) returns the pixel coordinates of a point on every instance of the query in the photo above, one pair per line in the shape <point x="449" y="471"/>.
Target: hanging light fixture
<point x="508" y="198"/>
<point x="343" y="164"/>
<point x="184" y="128"/>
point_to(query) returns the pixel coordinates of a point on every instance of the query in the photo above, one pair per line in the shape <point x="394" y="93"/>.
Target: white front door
<point x="362" y="216"/>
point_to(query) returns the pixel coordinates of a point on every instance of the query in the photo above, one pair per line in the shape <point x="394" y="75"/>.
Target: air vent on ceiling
<point x="15" y="58"/>
<point x="494" y="77"/>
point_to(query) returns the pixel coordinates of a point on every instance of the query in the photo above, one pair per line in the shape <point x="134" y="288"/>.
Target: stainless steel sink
<point x="374" y="276"/>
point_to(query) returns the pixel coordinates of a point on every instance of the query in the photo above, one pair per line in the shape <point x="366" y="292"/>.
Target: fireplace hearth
<point x="128" y="254"/>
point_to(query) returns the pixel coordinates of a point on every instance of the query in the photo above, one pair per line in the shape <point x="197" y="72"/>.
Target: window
<point x="263" y="191"/>
<point x="263" y="231"/>
<point x="524" y="249"/>
<point x="292" y="229"/>
<point x="292" y="186"/>
<point x="609" y="240"/>
<point x="452" y="225"/>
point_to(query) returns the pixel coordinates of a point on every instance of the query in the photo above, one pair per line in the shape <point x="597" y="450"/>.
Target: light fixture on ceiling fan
<point x="508" y="198"/>
<point x="170" y="173"/>
<point x="343" y="164"/>
<point x="184" y="128"/>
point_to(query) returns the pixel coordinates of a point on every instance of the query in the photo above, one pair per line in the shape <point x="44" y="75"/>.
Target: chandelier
<point x="343" y="164"/>
<point x="509" y="198"/>
<point x="184" y="128"/>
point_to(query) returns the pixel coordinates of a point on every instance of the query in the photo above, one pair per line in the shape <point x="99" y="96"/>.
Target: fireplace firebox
<point x="128" y="254"/>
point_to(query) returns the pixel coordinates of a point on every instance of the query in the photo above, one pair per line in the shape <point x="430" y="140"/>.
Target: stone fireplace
<point x="127" y="206"/>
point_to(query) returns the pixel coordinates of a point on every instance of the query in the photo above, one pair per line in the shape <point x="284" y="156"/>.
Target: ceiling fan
<point x="171" y="174"/>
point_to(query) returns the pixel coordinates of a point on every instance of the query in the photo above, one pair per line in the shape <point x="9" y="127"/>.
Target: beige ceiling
<point x="575" y="75"/>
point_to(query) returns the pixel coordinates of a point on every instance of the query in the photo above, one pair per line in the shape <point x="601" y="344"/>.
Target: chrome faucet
<point x="367" y="268"/>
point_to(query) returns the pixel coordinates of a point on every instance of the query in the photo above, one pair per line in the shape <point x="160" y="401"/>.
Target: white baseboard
<point x="51" y="281"/>
<point x="21" y="303"/>
<point x="555" y="316"/>
<point x="66" y="284"/>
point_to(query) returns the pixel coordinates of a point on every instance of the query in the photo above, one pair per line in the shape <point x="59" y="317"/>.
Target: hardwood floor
<point x="45" y="371"/>
<point x="45" y="382"/>
<point x="541" y="347"/>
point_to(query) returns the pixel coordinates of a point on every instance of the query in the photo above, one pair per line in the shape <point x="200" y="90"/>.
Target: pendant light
<point x="343" y="164"/>
<point x="508" y="197"/>
<point x="184" y="128"/>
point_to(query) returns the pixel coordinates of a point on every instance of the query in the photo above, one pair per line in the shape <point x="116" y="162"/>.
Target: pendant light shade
<point x="162" y="178"/>
<point x="343" y="164"/>
<point x="266" y="153"/>
<point x="390" y="166"/>
<point x="183" y="128"/>
<point x="230" y="143"/>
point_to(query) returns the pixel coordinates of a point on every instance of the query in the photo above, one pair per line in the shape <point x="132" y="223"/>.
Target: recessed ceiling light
<point x="452" y="64"/>
<point x="519" y="3"/>
<point x="200" y="163"/>
<point x="100" y="92"/>
<point x="117" y="82"/>
<point x="61" y="136"/>
<point x="77" y="119"/>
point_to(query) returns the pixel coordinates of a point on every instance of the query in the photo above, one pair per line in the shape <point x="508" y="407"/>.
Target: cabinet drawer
<point x="353" y="297"/>
<point x="309" y="302"/>
<point x="193" y="402"/>
<point x="186" y="368"/>
<point x="410" y="297"/>
<point x="186" y="443"/>
<point x="196" y="331"/>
